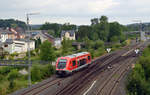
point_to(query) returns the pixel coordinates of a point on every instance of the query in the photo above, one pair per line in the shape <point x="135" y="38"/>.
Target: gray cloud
<point x="76" y="11"/>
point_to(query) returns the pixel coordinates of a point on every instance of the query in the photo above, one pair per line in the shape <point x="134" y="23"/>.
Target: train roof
<point x="77" y="54"/>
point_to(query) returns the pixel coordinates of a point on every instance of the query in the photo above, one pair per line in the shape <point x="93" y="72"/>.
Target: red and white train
<point x="68" y="64"/>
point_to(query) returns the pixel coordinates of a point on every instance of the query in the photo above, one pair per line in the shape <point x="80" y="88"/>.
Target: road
<point x="103" y="77"/>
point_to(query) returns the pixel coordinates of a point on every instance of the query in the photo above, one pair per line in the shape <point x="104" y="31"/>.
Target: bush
<point x="99" y="44"/>
<point x="99" y="52"/>
<point x="12" y="84"/>
<point x="5" y="70"/>
<point x="1" y="77"/>
<point x="47" y="71"/>
<point x="35" y="73"/>
<point x="139" y="79"/>
<point x="13" y="75"/>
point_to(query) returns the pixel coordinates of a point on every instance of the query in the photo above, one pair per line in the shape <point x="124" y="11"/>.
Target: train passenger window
<point x="74" y="63"/>
<point x="89" y="58"/>
<point x="82" y="62"/>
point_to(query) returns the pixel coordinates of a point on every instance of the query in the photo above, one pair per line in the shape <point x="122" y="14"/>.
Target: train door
<point x="78" y="63"/>
<point x="89" y="58"/>
<point x="70" y="65"/>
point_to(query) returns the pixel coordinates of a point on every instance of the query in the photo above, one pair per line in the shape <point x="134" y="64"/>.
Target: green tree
<point x="84" y="31"/>
<point x="99" y="44"/>
<point x="13" y="75"/>
<point x="66" y="46"/>
<point x="104" y="28"/>
<point x="38" y="43"/>
<point x="68" y="27"/>
<point x="47" y="52"/>
<point x="52" y="26"/>
<point x="94" y="21"/>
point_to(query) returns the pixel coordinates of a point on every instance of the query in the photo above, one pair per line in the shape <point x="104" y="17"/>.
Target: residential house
<point x="18" y="45"/>
<point x="20" y="33"/>
<point x="69" y="34"/>
<point x="41" y="36"/>
<point x="6" y="34"/>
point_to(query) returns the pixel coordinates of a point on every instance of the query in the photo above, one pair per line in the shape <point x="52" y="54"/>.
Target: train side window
<point x="81" y="62"/>
<point x="84" y="60"/>
<point x="74" y="63"/>
<point x="89" y="58"/>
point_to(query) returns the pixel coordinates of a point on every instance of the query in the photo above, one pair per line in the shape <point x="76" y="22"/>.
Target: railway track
<point x="112" y="81"/>
<point x="89" y="76"/>
<point x="56" y="81"/>
<point x="79" y="84"/>
<point x="90" y="73"/>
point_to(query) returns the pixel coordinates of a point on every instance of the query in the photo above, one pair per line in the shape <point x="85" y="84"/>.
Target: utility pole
<point x="28" y="35"/>
<point x="142" y="34"/>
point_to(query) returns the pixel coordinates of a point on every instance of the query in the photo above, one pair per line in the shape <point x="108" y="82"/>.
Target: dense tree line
<point x="55" y="29"/>
<point x="137" y="27"/>
<point x="12" y="23"/>
<point x="139" y="79"/>
<point x="100" y="29"/>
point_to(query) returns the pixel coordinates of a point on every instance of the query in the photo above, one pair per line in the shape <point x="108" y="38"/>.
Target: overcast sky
<point x="76" y="11"/>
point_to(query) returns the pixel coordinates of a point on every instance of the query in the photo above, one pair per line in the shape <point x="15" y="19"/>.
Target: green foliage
<point x="99" y="52"/>
<point x="39" y="72"/>
<point x="47" y="52"/>
<point x="13" y="75"/>
<point x="68" y="27"/>
<point x="5" y="70"/>
<point x="35" y="73"/>
<point x="12" y="84"/>
<point x="139" y="79"/>
<point x="12" y="23"/>
<point x="1" y="77"/>
<point x="84" y="31"/>
<point x="52" y="26"/>
<point x="99" y="44"/>
<point x="67" y="46"/>
<point x="47" y="71"/>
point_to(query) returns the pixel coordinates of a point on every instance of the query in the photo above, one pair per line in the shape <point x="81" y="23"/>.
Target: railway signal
<point x="136" y="51"/>
<point x="108" y="50"/>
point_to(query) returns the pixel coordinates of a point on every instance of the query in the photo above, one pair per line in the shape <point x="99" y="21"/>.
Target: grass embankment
<point x="139" y="79"/>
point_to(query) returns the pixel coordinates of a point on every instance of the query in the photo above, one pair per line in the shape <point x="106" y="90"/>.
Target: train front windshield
<point x="62" y="64"/>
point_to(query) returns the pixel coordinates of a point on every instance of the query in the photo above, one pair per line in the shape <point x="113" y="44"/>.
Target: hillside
<point x="137" y="26"/>
<point x="4" y="23"/>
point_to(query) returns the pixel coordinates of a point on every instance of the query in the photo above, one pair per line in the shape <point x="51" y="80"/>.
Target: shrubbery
<point x="11" y="80"/>
<point x="139" y="79"/>
<point x="40" y="72"/>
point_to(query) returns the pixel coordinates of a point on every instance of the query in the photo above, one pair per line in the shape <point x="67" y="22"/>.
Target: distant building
<point x="18" y="45"/>
<point x="69" y="34"/>
<point x="6" y="34"/>
<point x="43" y="35"/>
